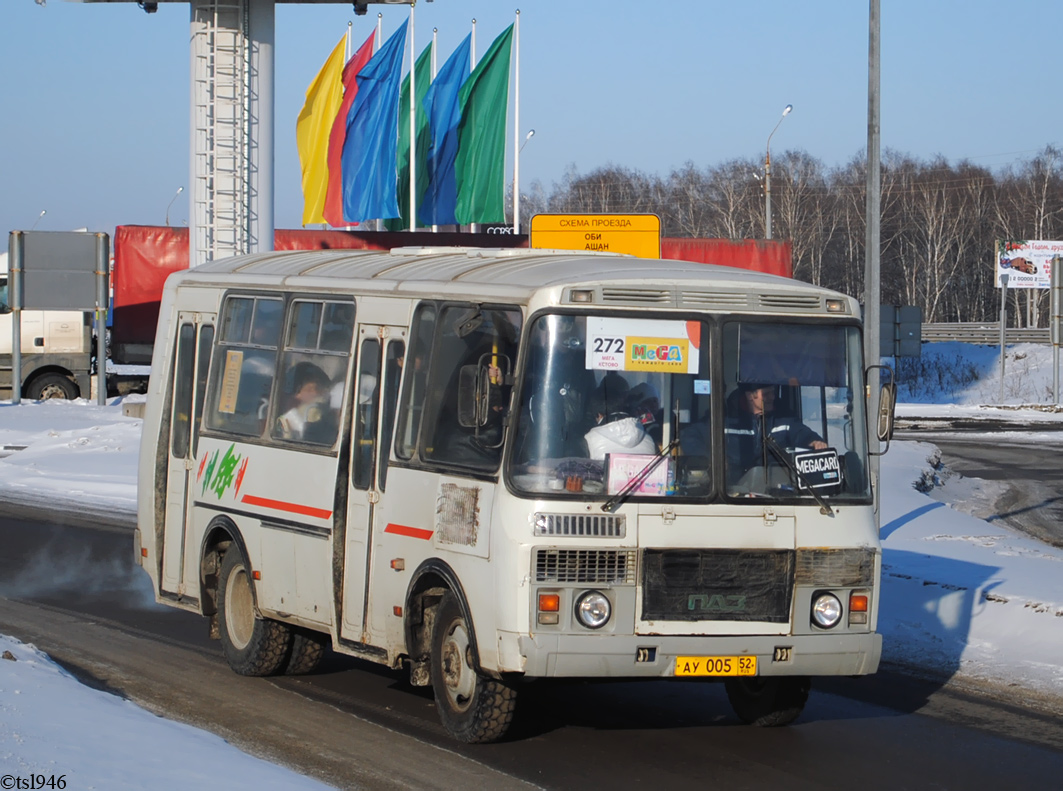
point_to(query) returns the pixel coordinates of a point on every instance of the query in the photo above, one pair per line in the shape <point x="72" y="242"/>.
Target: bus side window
<point x="416" y="373"/>
<point x="206" y="343"/>
<point x="393" y="364"/>
<point x="309" y="395"/>
<point x="182" y="399"/>
<point x="366" y="398"/>
<point x="245" y="364"/>
<point x="468" y="335"/>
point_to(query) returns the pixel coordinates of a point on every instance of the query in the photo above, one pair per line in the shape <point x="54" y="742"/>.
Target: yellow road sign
<point x="633" y="234"/>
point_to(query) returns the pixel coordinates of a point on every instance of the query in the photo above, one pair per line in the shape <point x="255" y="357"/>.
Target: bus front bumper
<point x="654" y="656"/>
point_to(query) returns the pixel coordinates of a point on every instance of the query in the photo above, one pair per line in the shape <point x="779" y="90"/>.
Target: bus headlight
<point x="593" y="609"/>
<point x="826" y="610"/>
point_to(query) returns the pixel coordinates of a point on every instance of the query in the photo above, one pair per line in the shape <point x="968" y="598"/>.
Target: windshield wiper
<point x="618" y="499"/>
<point x="780" y="453"/>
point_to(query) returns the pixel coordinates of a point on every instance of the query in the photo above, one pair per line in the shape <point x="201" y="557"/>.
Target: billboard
<point x="1028" y="264"/>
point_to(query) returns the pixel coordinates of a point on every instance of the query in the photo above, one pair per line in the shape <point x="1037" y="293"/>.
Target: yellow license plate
<point x="715" y="665"/>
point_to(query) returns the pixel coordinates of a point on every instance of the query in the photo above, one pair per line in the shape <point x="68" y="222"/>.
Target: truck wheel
<point x="52" y="386"/>
<point x="768" y="702"/>
<point x="474" y="709"/>
<point x="252" y="646"/>
<point x="308" y="649"/>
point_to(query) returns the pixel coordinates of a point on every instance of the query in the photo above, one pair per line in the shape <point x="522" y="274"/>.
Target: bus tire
<point x="474" y="709"/>
<point x="252" y="646"/>
<point x="47" y="386"/>
<point x="768" y="702"/>
<point x="308" y="649"/>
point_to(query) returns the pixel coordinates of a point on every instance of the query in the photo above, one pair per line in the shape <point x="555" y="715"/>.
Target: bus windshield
<point x="659" y="407"/>
<point x="601" y="396"/>
<point x="793" y="413"/>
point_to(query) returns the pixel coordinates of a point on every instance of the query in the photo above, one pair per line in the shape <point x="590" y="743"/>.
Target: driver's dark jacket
<point x="743" y="439"/>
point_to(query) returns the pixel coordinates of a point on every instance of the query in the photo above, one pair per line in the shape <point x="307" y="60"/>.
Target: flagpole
<point x="516" y="126"/>
<point x="379" y="224"/>
<point x="413" y="127"/>
<point x="472" y="65"/>
<point x="435" y="70"/>
<point x="348" y="50"/>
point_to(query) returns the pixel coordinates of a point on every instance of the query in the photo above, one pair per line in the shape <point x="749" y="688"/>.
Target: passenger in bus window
<point x="750" y="415"/>
<point x="311" y="418"/>
<point x="614" y="430"/>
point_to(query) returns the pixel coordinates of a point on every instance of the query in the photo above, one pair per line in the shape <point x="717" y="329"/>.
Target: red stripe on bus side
<point x="291" y="508"/>
<point x="412" y="532"/>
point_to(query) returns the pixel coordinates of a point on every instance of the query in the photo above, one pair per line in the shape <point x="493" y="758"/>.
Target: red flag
<point x="334" y="196"/>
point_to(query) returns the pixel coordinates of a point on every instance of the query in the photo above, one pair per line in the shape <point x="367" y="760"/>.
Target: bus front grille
<point x="717" y="585"/>
<point x="585" y="566"/>
<point x="580" y="525"/>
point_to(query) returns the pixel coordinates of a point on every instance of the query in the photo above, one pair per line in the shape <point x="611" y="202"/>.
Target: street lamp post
<point x="39" y="216"/>
<point x="168" y="205"/>
<point x="516" y="183"/>
<point x="767" y="174"/>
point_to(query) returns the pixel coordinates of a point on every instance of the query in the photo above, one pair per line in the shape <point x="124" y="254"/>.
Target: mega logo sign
<point x="659" y="346"/>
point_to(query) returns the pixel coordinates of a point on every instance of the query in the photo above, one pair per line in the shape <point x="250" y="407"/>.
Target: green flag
<point x="484" y="102"/>
<point x="423" y="73"/>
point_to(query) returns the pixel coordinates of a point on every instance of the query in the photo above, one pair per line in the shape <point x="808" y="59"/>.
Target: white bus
<point x="493" y="466"/>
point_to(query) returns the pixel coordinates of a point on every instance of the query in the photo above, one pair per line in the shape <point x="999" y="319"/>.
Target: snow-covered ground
<point x="52" y="727"/>
<point x="960" y="597"/>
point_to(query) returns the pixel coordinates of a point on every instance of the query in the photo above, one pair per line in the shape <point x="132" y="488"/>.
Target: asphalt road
<point x="75" y="593"/>
<point x="1033" y="498"/>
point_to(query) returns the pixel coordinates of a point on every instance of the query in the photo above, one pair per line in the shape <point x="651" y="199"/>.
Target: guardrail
<point x="984" y="332"/>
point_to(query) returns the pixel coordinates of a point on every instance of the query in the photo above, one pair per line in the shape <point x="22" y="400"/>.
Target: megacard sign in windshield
<point x="1028" y="264"/>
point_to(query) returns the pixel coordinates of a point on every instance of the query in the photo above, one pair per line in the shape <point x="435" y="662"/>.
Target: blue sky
<point x="96" y="96"/>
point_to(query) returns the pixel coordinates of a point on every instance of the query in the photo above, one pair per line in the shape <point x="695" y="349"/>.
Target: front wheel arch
<point x="432" y="579"/>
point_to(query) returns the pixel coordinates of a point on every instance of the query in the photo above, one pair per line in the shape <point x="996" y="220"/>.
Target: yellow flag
<point x="323" y="99"/>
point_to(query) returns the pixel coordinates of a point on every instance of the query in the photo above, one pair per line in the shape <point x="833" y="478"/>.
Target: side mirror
<point x="481" y="403"/>
<point x="887" y="402"/>
<point x="470" y="397"/>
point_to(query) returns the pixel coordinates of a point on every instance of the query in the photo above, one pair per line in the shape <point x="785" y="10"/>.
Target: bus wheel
<point x="474" y="709"/>
<point x="252" y="646"/>
<point x="48" y="386"/>
<point x="768" y="702"/>
<point x="308" y="649"/>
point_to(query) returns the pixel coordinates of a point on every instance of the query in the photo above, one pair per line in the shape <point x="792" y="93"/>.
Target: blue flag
<point x="369" y="155"/>
<point x="444" y="114"/>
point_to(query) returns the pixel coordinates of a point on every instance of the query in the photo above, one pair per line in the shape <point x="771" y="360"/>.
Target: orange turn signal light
<point x="256" y="575"/>
<point x="549" y="602"/>
<point x="858" y="602"/>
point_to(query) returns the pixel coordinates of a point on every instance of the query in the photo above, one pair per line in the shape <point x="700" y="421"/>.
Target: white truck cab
<point x="56" y="351"/>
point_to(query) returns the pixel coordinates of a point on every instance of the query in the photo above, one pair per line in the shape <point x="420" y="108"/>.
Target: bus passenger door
<point x="380" y="354"/>
<point x="195" y="336"/>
